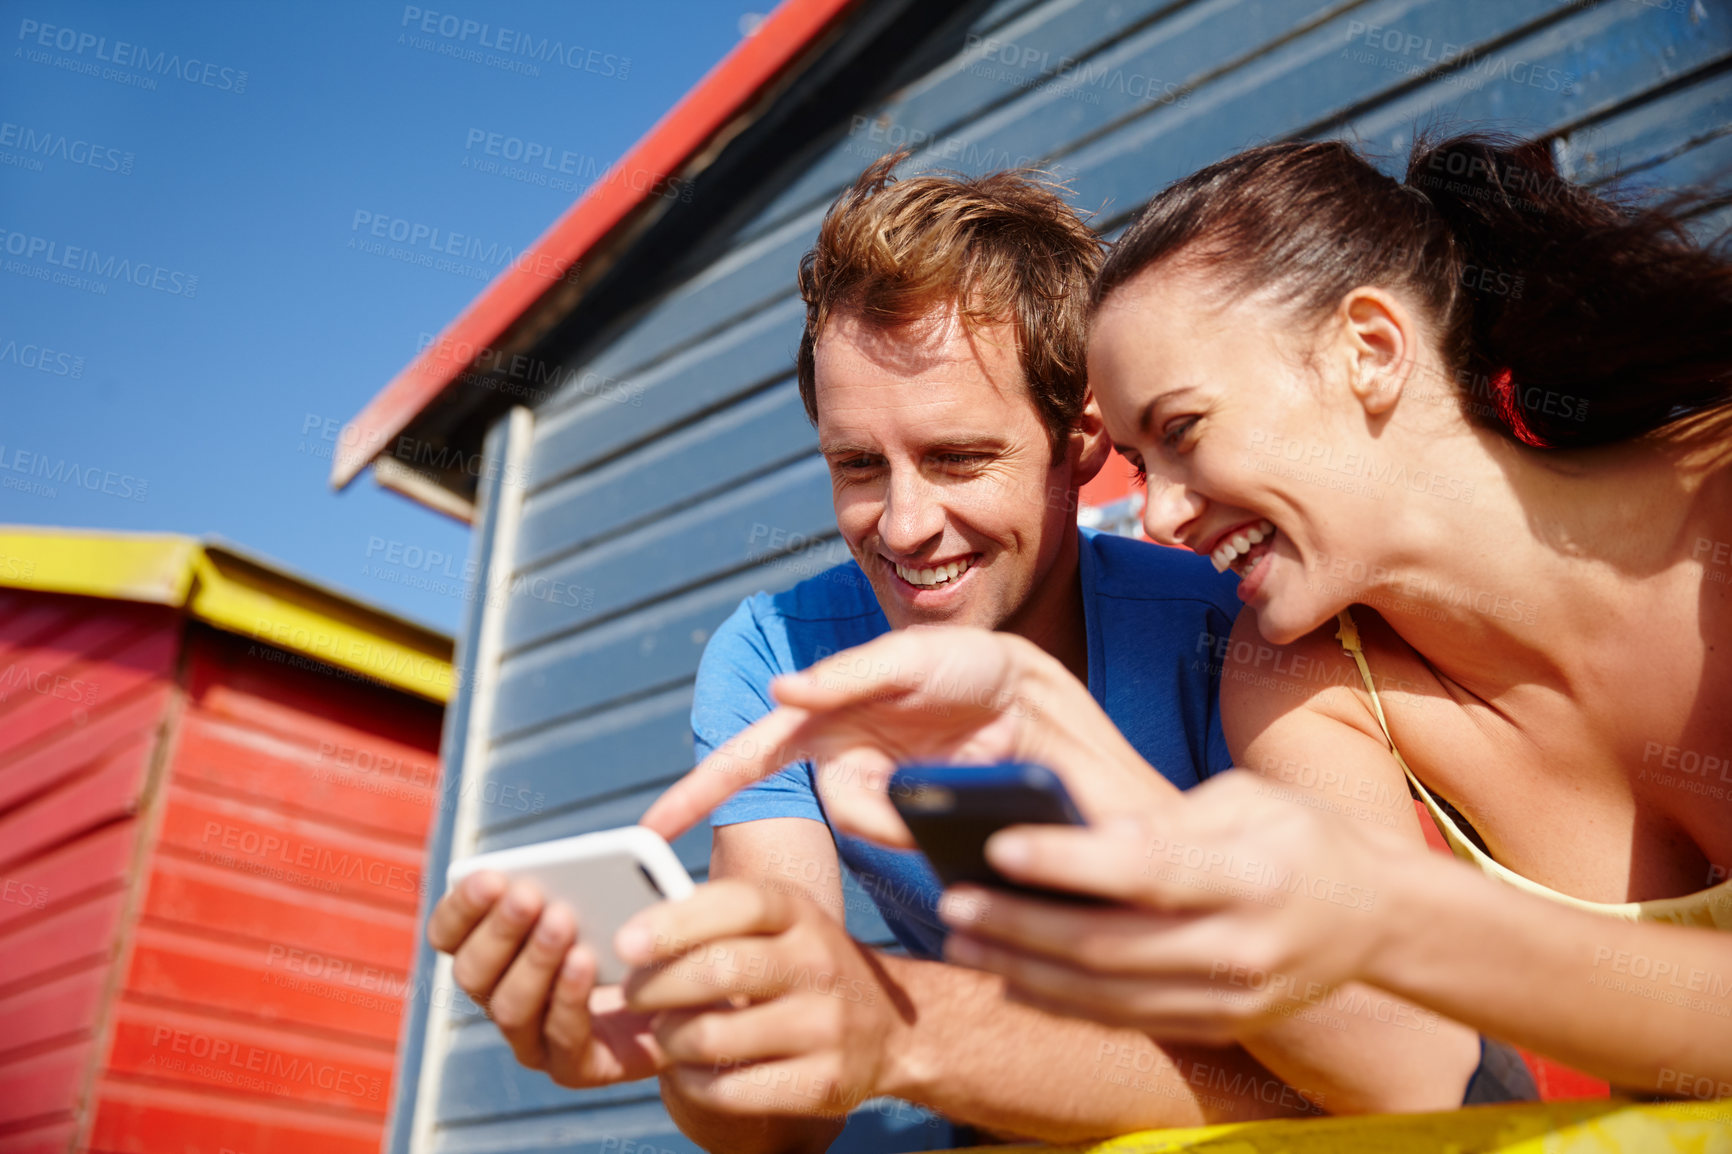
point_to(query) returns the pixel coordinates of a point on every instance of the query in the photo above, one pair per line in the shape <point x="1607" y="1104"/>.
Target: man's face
<point x="942" y="471"/>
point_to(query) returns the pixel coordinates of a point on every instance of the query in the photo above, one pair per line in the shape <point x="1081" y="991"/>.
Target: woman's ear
<point x="1381" y="340"/>
<point x="1089" y="445"/>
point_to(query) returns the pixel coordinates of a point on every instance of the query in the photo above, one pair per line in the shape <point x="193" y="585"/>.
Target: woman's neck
<point x="1561" y="557"/>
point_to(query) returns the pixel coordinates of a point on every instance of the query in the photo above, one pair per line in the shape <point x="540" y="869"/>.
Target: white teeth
<point x="937" y="576"/>
<point x="1239" y="544"/>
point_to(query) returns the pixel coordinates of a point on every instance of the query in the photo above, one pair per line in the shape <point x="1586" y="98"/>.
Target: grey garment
<point x="1501" y="1076"/>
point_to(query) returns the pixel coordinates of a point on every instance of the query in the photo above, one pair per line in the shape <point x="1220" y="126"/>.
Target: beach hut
<point x="216" y="782"/>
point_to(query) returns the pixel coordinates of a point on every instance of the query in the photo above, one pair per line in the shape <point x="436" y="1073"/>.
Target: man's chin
<point x="901" y="615"/>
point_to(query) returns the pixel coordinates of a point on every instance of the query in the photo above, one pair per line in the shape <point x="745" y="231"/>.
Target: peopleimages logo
<point x="60" y="471"/>
<point x="461" y="31"/>
<point x="59" y="146"/>
<point x="88" y="260"/>
<point x="41" y="358"/>
<point x="125" y="55"/>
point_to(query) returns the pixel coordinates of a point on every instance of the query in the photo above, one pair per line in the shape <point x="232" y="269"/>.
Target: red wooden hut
<point x="216" y="781"/>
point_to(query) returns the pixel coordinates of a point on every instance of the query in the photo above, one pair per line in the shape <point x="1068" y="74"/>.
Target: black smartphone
<point x="952" y="809"/>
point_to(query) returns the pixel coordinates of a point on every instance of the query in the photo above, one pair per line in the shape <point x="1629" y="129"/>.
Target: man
<point x="943" y="365"/>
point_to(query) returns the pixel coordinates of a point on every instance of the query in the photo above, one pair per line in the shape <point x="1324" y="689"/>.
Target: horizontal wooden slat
<point x="305" y="701"/>
<point x="943" y="105"/>
<point x="204" y="897"/>
<point x="110" y="789"/>
<point x="76" y="750"/>
<point x="304" y="858"/>
<point x="123" y="654"/>
<point x="1696" y="168"/>
<point x="882" y="1126"/>
<point x="693" y="849"/>
<point x="1579" y="67"/>
<point x="484" y="1080"/>
<point x="734" y="362"/>
<point x="192" y="1051"/>
<point x="73" y="937"/>
<point x="606" y="1131"/>
<point x="52" y="1137"/>
<point x="43" y="1085"/>
<point x="68" y="874"/>
<point x="66" y="1007"/>
<point x="142" y="1118"/>
<point x="648" y="740"/>
<point x="1296" y="84"/>
<point x="1633" y="139"/>
<point x="652" y="648"/>
<point x="711" y="539"/>
<point x="278" y="984"/>
<point x="383" y="787"/>
<point x="745" y="281"/>
<point x="765" y="430"/>
<point x="1142" y="77"/>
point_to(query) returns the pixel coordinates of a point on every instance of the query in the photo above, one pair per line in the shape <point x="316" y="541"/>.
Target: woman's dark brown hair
<point x="1565" y="319"/>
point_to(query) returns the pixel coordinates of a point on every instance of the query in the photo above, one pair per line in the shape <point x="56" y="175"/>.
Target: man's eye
<point x="856" y="464"/>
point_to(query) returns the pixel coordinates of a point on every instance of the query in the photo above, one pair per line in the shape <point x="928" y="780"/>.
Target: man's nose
<point x="913" y="513"/>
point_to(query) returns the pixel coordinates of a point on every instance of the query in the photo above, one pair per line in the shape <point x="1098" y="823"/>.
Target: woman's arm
<point x="1643" y="1005"/>
<point x="1470" y="948"/>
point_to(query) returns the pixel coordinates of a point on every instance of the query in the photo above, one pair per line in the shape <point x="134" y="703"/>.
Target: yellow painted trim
<point x="1590" y="1127"/>
<point x="156" y="569"/>
<point x="235" y="593"/>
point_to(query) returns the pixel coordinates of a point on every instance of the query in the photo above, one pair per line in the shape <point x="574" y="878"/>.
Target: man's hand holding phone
<point x="763" y="1003"/>
<point x="752" y="1000"/>
<point x="522" y="957"/>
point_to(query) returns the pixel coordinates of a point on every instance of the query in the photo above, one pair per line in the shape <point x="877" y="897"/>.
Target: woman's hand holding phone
<point x="1235" y="908"/>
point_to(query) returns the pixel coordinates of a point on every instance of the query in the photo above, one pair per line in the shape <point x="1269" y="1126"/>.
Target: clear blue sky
<point x="189" y="406"/>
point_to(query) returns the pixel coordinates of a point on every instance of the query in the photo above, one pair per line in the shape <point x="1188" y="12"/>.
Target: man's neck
<point x="1053" y="618"/>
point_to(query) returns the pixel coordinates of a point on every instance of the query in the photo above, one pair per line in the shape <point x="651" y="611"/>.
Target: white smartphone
<point x="604" y="877"/>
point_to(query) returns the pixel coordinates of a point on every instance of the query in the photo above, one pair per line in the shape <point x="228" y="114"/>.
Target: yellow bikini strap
<point x="1348" y="635"/>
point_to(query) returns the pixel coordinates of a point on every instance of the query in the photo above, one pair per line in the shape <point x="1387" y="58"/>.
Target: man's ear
<point x="1381" y="340"/>
<point x="1089" y="445"/>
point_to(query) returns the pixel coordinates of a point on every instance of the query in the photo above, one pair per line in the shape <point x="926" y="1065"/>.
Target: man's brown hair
<point x="1001" y="247"/>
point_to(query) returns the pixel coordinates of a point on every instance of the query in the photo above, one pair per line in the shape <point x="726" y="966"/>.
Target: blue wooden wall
<point x="678" y="474"/>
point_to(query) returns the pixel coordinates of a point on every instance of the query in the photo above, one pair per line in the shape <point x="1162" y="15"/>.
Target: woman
<point x="1492" y="413"/>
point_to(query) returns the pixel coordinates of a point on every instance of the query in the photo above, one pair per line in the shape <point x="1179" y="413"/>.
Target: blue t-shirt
<point x="1153" y="616"/>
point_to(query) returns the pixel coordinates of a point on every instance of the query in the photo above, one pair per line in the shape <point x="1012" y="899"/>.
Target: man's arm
<point x="955" y="1044"/>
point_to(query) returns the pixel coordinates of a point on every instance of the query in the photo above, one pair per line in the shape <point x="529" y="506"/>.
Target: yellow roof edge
<point x="252" y="597"/>
<point x="155" y="568"/>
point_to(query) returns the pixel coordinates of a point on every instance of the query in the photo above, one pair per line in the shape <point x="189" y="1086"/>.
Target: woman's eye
<point x="1139" y="474"/>
<point x="1176" y="431"/>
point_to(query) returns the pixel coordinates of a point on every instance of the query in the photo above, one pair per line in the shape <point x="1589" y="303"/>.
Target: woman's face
<point x="1258" y="454"/>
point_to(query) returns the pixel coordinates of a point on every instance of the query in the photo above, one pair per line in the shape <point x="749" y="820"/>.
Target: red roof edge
<point x="721" y="95"/>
